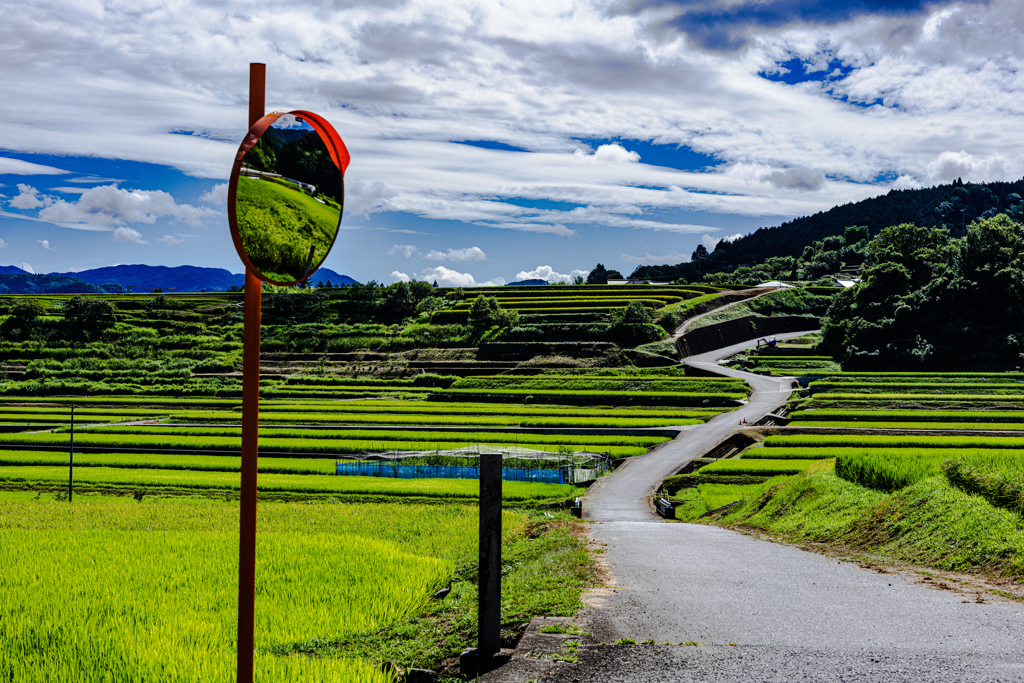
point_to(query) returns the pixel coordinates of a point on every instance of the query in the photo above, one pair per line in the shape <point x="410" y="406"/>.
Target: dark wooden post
<point x="489" y="607"/>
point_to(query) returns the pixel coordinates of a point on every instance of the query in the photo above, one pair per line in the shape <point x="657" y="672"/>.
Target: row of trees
<point x="84" y="319"/>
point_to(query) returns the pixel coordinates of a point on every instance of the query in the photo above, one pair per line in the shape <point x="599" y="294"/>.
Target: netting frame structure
<point x="562" y="467"/>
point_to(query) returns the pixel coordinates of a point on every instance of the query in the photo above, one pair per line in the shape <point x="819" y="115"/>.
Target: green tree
<point x="87" y="318"/>
<point x="598" y="276"/>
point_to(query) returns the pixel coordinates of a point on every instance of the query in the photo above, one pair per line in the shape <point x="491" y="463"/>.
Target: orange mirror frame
<point x="284" y="227"/>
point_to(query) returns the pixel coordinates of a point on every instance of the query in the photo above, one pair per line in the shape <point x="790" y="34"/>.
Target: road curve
<point x="625" y="494"/>
<point x="763" y="611"/>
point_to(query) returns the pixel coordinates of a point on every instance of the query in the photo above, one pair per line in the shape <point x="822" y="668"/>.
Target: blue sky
<point x="495" y="142"/>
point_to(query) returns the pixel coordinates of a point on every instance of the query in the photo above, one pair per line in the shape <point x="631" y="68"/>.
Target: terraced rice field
<point x="323" y="571"/>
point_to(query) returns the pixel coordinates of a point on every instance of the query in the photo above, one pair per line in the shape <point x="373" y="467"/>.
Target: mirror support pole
<point x="250" y="432"/>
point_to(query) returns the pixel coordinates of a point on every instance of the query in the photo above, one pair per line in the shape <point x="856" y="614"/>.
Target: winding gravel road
<point x="764" y="611"/>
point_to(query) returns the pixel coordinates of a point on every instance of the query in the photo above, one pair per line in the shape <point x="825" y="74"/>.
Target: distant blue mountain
<point x="524" y="283"/>
<point x="31" y="283"/>
<point x="11" y="270"/>
<point x="143" y="278"/>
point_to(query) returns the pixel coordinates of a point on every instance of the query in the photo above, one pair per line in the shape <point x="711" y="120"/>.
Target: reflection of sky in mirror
<point x="291" y="122"/>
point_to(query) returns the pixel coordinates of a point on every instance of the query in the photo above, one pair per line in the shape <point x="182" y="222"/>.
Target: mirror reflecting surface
<point x="288" y="201"/>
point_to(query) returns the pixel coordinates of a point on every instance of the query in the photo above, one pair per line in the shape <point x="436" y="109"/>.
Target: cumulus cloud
<point x="2" y="243"/>
<point x="949" y="166"/>
<point x="46" y="245"/>
<point x="550" y="275"/>
<point x="218" y="194"/>
<point x="170" y="240"/>
<point x="111" y="206"/>
<point x="397" y="276"/>
<point x="406" y="250"/>
<point x="459" y="255"/>
<point x="363" y="198"/>
<point x="28" y="198"/>
<point x="27" y="267"/>
<point x="126" y="234"/>
<point x="710" y="242"/>
<point x="654" y="260"/>
<point x="607" y="154"/>
<point x="445" y="277"/>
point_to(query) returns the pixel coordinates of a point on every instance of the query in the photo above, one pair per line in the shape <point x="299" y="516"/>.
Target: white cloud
<point x="397" y="276"/>
<point x="406" y="250"/>
<point x="607" y="154"/>
<point x="27" y="267"/>
<point x="125" y="234"/>
<point x="3" y="243"/>
<point x="170" y="240"/>
<point x="364" y="198"/>
<point x="218" y="195"/>
<point x="655" y="260"/>
<point x="446" y="277"/>
<point x="549" y="274"/>
<point x="10" y="166"/>
<point x="710" y="242"/>
<point x="939" y="81"/>
<point x="110" y="206"/>
<point x="28" y="198"/>
<point x="803" y="179"/>
<point x="948" y="166"/>
<point x="458" y="255"/>
<point x="46" y="245"/>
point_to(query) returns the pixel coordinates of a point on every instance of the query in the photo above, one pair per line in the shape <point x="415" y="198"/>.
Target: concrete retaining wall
<point x="730" y="332"/>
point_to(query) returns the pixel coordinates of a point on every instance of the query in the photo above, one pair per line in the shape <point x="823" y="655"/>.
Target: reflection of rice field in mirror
<point x="288" y="201"/>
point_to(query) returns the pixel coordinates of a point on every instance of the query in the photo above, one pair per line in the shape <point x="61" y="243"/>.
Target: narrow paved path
<point x="625" y="494"/>
<point x="764" y="611"/>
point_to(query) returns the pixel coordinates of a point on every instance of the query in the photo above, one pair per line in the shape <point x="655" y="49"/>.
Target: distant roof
<point x="776" y="283"/>
<point x="847" y="283"/>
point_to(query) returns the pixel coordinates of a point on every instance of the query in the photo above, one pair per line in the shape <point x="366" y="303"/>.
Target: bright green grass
<point x="614" y="398"/>
<point x="432" y="419"/>
<point x="303" y="446"/>
<point x="320" y="435"/>
<point x="971" y="388"/>
<point x="957" y="426"/>
<point x="371" y="487"/>
<point x="902" y="415"/>
<point x="67" y="617"/>
<point x="924" y="398"/>
<point x="164" y="461"/>
<point x="715" y="496"/>
<point x="997" y="476"/>
<point x="892" y="441"/>
<point x="754" y="467"/>
<point x="929" y="523"/>
<point x="885" y="470"/>
<point x="277" y="225"/>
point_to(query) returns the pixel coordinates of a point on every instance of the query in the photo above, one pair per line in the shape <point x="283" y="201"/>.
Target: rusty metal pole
<point x="250" y="431"/>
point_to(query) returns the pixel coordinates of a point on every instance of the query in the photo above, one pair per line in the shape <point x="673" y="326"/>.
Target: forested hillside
<point x="933" y="299"/>
<point x="952" y="206"/>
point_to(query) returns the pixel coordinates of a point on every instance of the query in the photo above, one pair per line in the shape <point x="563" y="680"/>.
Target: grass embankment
<point x="930" y="522"/>
<point x="348" y="584"/>
<point x="279" y="223"/>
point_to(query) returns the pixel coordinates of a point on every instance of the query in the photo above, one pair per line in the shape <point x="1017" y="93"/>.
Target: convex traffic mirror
<point x="286" y="195"/>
